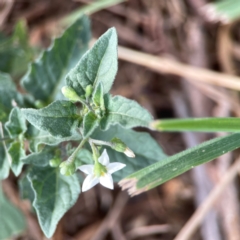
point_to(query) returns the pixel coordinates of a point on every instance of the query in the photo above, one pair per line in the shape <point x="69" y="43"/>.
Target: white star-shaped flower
<point x="100" y="172"/>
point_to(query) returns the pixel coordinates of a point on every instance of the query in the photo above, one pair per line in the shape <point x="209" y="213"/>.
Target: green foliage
<point x="146" y="149"/>
<point x="84" y="156"/>
<point x="54" y="194"/>
<point x="197" y="124"/>
<point x="15" y="51"/>
<point x="42" y="158"/>
<point x="58" y="129"/>
<point x="11" y="219"/>
<point x="177" y="164"/>
<point x="98" y="96"/>
<point x="16" y="124"/>
<point x="127" y="113"/>
<point x="67" y="168"/>
<point x="90" y="123"/>
<point x="8" y="95"/>
<point x="99" y="64"/>
<point x="45" y="77"/>
<point x="16" y="152"/>
<point x="5" y="161"/>
<point x="25" y="189"/>
<point x="37" y="137"/>
<point x="60" y="118"/>
<point x="226" y="11"/>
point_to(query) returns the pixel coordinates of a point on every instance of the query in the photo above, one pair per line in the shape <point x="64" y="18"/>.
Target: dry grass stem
<point x="193" y="223"/>
<point x="148" y="230"/>
<point x="168" y="66"/>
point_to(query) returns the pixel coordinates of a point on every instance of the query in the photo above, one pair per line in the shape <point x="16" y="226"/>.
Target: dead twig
<point x="196" y="219"/>
<point x="148" y="230"/>
<point x="112" y="217"/>
<point x="117" y="233"/>
<point x="8" y="4"/>
<point x="168" y="66"/>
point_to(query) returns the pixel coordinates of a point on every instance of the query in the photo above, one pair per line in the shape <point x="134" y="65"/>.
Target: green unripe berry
<point x="39" y="104"/>
<point x="119" y="146"/>
<point x="88" y="90"/>
<point x="67" y="168"/>
<point x="55" y="162"/>
<point x="70" y="93"/>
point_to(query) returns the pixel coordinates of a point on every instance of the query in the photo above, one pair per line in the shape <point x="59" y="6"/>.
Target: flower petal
<point x="115" y="166"/>
<point x="128" y="152"/>
<point x="104" y="158"/>
<point x="89" y="182"/>
<point x="88" y="169"/>
<point x="107" y="181"/>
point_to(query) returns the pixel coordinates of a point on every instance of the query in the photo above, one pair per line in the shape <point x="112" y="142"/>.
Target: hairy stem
<point x="99" y="142"/>
<point x="72" y="157"/>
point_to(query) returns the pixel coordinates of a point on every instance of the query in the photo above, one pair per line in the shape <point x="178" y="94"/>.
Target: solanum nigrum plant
<point x="67" y="123"/>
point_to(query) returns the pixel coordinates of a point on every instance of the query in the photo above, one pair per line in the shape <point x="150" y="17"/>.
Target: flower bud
<point x="55" y="162"/>
<point x="39" y="104"/>
<point x="120" y="146"/>
<point x="88" y="90"/>
<point x="67" y="168"/>
<point x="70" y="93"/>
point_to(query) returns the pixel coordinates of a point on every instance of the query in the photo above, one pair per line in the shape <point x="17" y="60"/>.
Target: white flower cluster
<point x="104" y="178"/>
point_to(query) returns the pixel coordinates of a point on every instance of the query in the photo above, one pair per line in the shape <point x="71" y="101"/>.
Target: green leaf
<point x="197" y="124"/>
<point x="146" y="149"/>
<point x="60" y="118"/>
<point x="225" y="11"/>
<point x="37" y="137"/>
<point x="45" y="77"/>
<point x="127" y="113"/>
<point x="16" y="124"/>
<point x="16" y="152"/>
<point x="99" y="64"/>
<point x="54" y="193"/>
<point x="41" y="159"/>
<point x="90" y="123"/>
<point x="4" y="162"/>
<point x="84" y="156"/>
<point x="25" y="188"/>
<point x="177" y="164"/>
<point x="8" y="94"/>
<point x="98" y="97"/>
<point x="11" y="219"/>
<point x="15" y="51"/>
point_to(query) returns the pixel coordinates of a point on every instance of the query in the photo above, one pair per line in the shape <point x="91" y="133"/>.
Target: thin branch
<point x="148" y="230"/>
<point x="112" y="217"/>
<point x="193" y="223"/>
<point x="168" y="66"/>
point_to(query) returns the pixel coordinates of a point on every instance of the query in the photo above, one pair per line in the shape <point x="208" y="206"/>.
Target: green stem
<point x="95" y="152"/>
<point x="72" y="157"/>
<point x="99" y="142"/>
<point x="89" y="107"/>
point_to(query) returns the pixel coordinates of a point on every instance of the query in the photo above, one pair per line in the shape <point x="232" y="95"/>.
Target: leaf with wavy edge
<point x="54" y="194"/>
<point x="46" y="75"/>
<point x="60" y="118"/>
<point x="99" y="64"/>
<point x="126" y="112"/>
